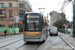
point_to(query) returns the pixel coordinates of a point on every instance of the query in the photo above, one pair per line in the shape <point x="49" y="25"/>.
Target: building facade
<point x="11" y="8"/>
<point x="48" y="19"/>
<point x="54" y="16"/>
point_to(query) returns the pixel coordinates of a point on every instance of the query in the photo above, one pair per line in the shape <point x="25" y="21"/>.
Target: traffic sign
<point x="71" y="22"/>
<point x="71" y="27"/>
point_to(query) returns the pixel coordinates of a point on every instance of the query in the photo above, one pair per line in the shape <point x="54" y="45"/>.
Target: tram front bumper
<point x="32" y="39"/>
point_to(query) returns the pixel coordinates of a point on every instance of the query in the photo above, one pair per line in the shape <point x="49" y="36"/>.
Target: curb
<point x="12" y="34"/>
<point x="67" y="43"/>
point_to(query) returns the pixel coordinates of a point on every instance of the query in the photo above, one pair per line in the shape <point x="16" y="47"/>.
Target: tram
<point x="33" y="27"/>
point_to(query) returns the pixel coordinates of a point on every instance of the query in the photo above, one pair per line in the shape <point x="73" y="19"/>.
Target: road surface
<point x="15" y="42"/>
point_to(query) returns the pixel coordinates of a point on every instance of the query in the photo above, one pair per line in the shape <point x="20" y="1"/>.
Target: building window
<point x="21" y="5"/>
<point x="10" y="13"/>
<point x="10" y="26"/>
<point x="21" y="19"/>
<point x="2" y="5"/>
<point x="10" y="18"/>
<point x="0" y="12"/>
<point x="21" y="13"/>
<point x="10" y="4"/>
<point x="2" y="18"/>
<point x="1" y="25"/>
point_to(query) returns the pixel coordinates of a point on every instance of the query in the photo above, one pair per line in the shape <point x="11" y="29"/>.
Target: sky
<point x="53" y="5"/>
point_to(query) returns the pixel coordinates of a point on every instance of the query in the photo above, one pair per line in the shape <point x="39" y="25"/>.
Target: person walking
<point x="5" y="31"/>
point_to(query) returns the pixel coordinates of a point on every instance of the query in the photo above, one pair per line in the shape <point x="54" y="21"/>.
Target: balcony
<point x="10" y="15"/>
<point x="2" y="7"/>
<point x="2" y="14"/>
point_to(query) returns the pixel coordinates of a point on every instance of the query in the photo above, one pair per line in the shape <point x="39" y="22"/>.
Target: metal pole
<point x="12" y="22"/>
<point x="62" y="15"/>
<point x="15" y="23"/>
<point x="40" y="10"/>
<point x="74" y="19"/>
<point x="17" y="14"/>
<point x="17" y="7"/>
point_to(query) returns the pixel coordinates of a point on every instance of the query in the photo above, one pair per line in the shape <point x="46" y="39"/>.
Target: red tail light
<point x="57" y="30"/>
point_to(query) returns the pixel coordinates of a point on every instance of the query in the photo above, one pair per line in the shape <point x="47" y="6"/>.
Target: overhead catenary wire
<point x="40" y="7"/>
<point x="34" y="4"/>
<point x="65" y="5"/>
<point x="60" y="3"/>
<point x="39" y="3"/>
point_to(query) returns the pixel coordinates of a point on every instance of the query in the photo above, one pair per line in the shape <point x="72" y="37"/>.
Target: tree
<point x="59" y="23"/>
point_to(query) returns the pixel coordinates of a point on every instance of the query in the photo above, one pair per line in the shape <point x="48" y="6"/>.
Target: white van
<point x="53" y="30"/>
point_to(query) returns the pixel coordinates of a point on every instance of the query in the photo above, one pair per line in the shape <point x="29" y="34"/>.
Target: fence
<point x="9" y="30"/>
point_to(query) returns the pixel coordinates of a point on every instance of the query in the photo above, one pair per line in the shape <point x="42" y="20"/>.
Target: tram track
<point x="73" y="48"/>
<point x="36" y="45"/>
<point x="9" y="39"/>
<point x="3" y="37"/>
<point x="24" y="46"/>
<point x="21" y="46"/>
<point x="67" y="43"/>
<point x="10" y="43"/>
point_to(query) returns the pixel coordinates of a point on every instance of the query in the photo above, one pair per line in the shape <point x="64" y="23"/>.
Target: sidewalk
<point x="12" y="34"/>
<point x="68" y="38"/>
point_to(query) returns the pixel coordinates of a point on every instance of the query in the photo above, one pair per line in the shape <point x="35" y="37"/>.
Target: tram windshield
<point x="33" y="22"/>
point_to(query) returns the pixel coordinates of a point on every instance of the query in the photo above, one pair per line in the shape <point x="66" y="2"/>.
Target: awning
<point x="20" y="23"/>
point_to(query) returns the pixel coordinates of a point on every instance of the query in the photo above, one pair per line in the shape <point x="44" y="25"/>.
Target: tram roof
<point x="32" y="12"/>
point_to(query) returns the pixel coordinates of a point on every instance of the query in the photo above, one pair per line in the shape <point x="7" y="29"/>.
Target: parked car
<point x="53" y="30"/>
<point x="68" y="30"/>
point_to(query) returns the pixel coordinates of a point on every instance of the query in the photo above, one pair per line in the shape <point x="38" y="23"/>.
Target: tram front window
<point x="33" y="22"/>
<point x="32" y="25"/>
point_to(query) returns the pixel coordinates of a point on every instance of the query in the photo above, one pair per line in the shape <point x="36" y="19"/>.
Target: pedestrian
<point x="5" y="31"/>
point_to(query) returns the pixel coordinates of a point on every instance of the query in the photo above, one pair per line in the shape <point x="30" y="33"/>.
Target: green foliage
<point x="59" y="23"/>
<point x="61" y="30"/>
<point x="68" y="33"/>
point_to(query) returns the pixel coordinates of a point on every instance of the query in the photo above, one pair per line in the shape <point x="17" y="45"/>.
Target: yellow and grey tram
<point x="33" y="26"/>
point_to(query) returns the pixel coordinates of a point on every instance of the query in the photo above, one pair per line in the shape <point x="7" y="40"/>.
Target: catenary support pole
<point x="74" y="19"/>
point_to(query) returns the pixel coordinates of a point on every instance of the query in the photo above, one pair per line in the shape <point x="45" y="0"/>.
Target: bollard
<point x="71" y="31"/>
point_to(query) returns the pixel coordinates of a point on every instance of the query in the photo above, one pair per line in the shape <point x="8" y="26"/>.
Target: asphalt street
<point x="15" y="42"/>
